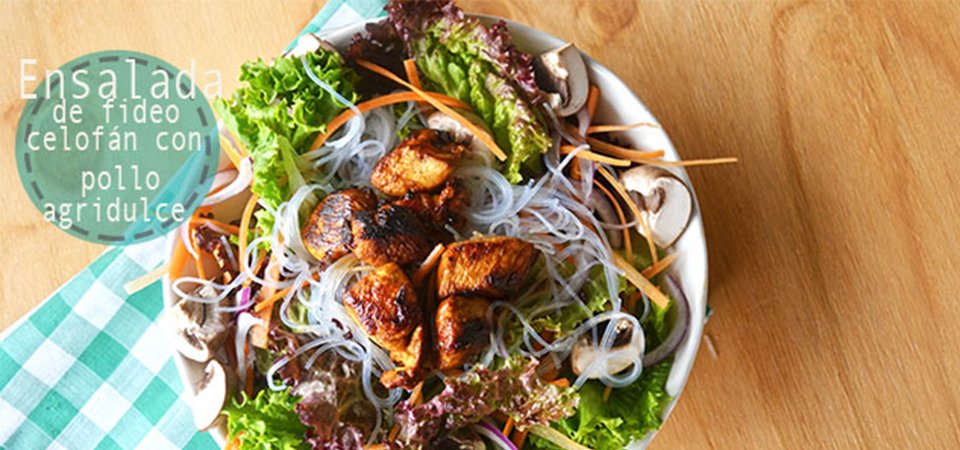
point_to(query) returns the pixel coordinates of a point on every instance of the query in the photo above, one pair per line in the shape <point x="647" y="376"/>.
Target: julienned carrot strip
<point x="279" y="295"/>
<point x="645" y="157"/>
<point x="519" y="438"/>
<point x="660" y="266"/>
<point x="416" y="394"/>
<point x="630" y="154"/>
<point x="561" y="382"/>
<point x="428" y="264"/>
<point x="270" y="301"/>
<point x="245" y="224"/>
<point x="693" y="162"/>
<point x="178" y="260"/>
<point x="508" y="426"/>
<point x="647" y="233"/>
<point x="586" y="154"/>
<point x="575" y="173"/>
<point x="593" y="97"/>
<point x="606" y="393"/>
<point x="232" y="229"/>
<point x="257" y="265"/>
<point x="476" y="131"/>
<point x="410" y="66"/>
<point x="231" y="152"/>
<point x="259" y="333"/>
<point x="384" y="100"/>
<point x="627" y="242"/>
<point x="634" y="277"/>
<point x="592" y="129"/>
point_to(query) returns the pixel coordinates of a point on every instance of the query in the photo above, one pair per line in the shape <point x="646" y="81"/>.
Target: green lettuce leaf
<point x="629" y="414"/>
<point x="268" y="421"/>
<point x="595" y="296"/>
<point x="277" y="114"/>
<point x="478" y="65"/>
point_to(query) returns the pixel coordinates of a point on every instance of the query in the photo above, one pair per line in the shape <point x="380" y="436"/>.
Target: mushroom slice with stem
<point x="563" y="74"/>
<point x="210" y="396"/>
<point x="439" y="120"/>
<point x="664" y="200"/>
<point x="589" y="359"/>
<point x="199" y="328"/>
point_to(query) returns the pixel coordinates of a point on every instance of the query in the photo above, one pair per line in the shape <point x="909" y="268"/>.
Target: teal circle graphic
<point x="117" y="147"/>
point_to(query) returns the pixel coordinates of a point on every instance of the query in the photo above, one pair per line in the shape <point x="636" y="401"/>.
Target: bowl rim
<point x="190" y="372"/>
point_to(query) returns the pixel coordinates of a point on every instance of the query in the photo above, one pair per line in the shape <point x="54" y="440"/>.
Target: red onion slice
<point x="238" y="185"/>
<point x="245" y="321"/>
<point x="678" y="333"/>
<point x="491" y="432"/>
<point x="242" y="300"/>
<point x="223" y="178"/>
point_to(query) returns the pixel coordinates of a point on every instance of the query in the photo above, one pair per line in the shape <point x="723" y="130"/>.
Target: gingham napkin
<point x="89" y="368"/>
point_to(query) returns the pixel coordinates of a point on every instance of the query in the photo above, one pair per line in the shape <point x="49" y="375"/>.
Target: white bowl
<point x="618" y="105"/>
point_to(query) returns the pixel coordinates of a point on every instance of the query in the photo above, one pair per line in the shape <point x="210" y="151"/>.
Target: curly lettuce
<point x="515" y="390"/>
<point x="268" y="420"/>
<point x="277" y="114"/>
<point x="627" y="415"/>
<point x="479" y="65"/>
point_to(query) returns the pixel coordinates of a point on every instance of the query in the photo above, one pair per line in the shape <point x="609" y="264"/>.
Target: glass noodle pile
<point x="577" y="357"/>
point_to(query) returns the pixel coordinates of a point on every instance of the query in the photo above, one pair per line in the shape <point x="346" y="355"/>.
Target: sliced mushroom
<point x="443" y="122"/>
<point x="664" y="200"/>
<point x="626" y="349"/>
<point x="607" y="214"/>
<point x="210" y="396"/>
<point x="199" y="328"/>
<point x="563" y="74"/>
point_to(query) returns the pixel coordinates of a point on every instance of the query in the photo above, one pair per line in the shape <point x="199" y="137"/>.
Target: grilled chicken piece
<point x="411" y="367"/>
<point x="384" y="303"/>
<point x="492" y="267"/>
<point x="392" y="233"/>
<point x="421" y="163"/>
<point x="462" y="329"/>
<point x="327" y="234"/>
<point x="436" y="210"/>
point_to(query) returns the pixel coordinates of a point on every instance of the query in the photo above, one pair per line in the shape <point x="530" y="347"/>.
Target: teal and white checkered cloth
<point x="90" y="368"/>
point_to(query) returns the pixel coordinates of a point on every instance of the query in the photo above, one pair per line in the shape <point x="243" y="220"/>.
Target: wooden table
<point x="833" y="251"/>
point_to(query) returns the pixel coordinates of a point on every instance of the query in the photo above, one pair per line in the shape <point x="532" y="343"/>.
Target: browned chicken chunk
<point x="462" y="329"/>
<point x="412" y="368"/>
<point x="436" y="210"/>
<point x="384" y="303"/>
<point x="327" y="234"/>
<point x="392" y="233"/>
<point x="421" y="163"/>
<point x="492" y="267"/>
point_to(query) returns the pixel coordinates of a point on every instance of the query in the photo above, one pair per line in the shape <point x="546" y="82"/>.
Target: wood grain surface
<point x="833" y="244"/>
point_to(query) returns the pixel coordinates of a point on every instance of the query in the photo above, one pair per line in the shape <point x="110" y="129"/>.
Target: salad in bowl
<point x="437" y="230"/>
